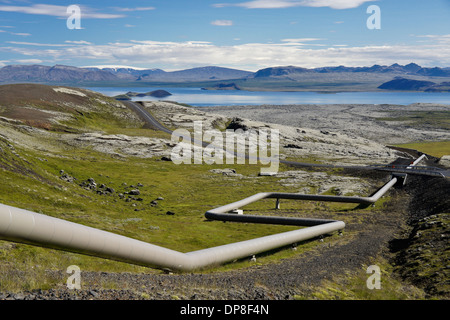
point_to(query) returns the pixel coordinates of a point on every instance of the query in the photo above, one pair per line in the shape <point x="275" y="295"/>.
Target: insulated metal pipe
<point x="23" y="226"/>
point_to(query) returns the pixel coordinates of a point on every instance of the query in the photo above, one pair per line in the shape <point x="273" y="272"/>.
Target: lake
<point x="199" y="97"/>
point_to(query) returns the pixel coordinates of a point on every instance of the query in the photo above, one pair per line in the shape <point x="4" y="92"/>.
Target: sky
<point x="241" y="34"/>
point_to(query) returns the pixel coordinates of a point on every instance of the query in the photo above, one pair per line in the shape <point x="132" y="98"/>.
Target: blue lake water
<point x="199" y="97"/>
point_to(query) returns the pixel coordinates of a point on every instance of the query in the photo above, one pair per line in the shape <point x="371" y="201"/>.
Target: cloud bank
<point x="57" y="11"/>
<point x="279" y="4"/>
<point x="250" y="56"/>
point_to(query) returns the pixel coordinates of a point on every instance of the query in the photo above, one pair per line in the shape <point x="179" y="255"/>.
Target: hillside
<point x="58" y="108"/>
<point x="95" y="162"/>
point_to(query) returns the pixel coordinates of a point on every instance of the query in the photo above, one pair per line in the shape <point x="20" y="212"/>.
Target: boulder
<point x="445" y="160"/>
<point x="134" y="192"/>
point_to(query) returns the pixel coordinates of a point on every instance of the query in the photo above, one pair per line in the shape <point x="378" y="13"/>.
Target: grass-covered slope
<point x="63" y="109"/>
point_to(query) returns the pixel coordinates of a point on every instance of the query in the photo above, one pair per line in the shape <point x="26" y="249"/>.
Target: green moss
<point x="433" y="148"/>
<point x="354" y="286"/>
<point x="430" y="119"/>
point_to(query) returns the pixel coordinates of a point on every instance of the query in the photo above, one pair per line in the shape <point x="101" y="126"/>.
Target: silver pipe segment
<point x="23" y="226"/>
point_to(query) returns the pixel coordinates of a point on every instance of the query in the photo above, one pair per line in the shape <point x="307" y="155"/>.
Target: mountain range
<point x="58" y="73"/>
<point x="409" y="69"/>
<point x="276" y="78"/>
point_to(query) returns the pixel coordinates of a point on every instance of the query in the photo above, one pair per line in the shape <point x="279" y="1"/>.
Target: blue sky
<point x="242" y="34"/>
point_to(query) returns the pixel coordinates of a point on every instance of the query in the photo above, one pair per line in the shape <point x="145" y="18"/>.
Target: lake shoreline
<point x="202" y="98"/>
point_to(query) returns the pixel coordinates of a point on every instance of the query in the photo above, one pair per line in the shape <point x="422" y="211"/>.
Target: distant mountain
<point x="434" y="72"/>
<point x="60" y="73"/>
<point x="406" y="84"/>
<point x="128" y="73"/>
<point x="197" y="74"/>
<point x="280" y="71"/>
<point x="415" y="85"/>
<point x="188" y="75"/>
<point x="57" y="73"/>
<point x="409" y="69"/>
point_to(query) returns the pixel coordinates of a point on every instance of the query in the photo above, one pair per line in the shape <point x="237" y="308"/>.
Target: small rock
<point x="134" y="192"/>
<point x="93" y="293"/>
<point x="110" y="190"/>
<point x="170" y="213"/>
<point x="293" y="146"/>
<point x="19" y="296"/>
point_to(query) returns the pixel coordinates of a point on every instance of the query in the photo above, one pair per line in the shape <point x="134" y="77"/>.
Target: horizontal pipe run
<point x="239" y="250"/>
<point x="28" y="227"/>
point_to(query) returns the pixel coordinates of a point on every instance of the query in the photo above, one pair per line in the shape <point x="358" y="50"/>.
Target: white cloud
<point x="335" y="4"/>
<point x="29" y="61"/>
<point x="134" y="9"/>
<point x="77" y="42"/>
<point x="222" y="23"/>
<point x="260" y="4"/>
<point x="443" y="39"/>
<point x="277" y="4"/>
<point x="36" y="44"/>
<point x="23" y="34"/>
<point x="302" y="39"/>
<point x="57" y="11"/>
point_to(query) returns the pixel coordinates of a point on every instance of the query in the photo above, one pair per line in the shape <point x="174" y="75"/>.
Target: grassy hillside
<point x="63" y="109"/>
